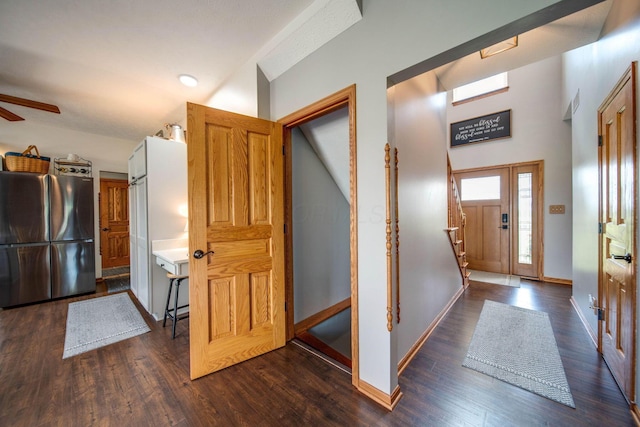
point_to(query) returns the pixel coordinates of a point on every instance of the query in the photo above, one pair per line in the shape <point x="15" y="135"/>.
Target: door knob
<point x="626" y="257"/>
<point x="199" y="254"/>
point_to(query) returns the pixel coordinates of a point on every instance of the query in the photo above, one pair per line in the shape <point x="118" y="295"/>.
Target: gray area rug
<point x="516" y="345"/>
<point x="97" y="322"/>
<point x="495" y="278"/>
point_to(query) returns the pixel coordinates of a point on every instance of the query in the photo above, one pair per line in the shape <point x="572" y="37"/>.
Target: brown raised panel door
<point x="114" y="222"/>
<point x="618" y="265"/>
<point x="236" y="211"/>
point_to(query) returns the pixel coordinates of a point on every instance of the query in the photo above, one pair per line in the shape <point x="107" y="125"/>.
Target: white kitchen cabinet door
<point x="142" y="243"/>
<point x="133" y="239"/>
<point x="138" y="166"/>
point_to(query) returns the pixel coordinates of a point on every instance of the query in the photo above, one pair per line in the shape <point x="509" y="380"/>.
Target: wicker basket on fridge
<point x="26" y="161"/>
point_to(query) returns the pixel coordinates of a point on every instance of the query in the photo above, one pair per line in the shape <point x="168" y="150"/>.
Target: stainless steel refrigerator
<point x="46" y="237"/>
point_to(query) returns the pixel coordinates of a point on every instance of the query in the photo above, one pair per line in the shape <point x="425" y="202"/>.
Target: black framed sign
<point x="480" y="129"/>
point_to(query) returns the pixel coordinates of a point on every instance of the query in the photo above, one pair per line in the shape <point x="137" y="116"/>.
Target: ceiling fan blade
<point x="29" y="103"/>
<point x="6" y="114"/>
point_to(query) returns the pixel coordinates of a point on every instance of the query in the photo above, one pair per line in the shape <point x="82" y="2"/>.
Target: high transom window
<point x="481" y="87"/>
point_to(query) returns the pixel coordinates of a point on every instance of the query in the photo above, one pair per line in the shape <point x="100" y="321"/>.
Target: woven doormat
<point x="98" y="322"/>
<point x="516" y="345"/>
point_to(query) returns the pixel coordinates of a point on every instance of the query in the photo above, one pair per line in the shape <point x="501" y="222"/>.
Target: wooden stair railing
<point x="456" y="225"/>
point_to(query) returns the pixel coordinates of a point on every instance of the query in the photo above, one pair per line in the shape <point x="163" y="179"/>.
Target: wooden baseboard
<point x="557" y="281"/>
<point x="423" y="338"/>
<point x="635" y="413"/>
<point x="592" y="334"/>
<point x="387" y="401"/>
<point x="315" y="319"/>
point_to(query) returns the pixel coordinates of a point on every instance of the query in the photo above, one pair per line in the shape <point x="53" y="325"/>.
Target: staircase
<point x="456" y="224"/>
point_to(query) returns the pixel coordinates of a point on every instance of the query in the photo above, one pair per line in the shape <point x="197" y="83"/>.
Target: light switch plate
<point x="556" y="209"/>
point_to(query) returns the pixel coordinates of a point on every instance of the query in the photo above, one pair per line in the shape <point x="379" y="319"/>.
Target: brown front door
<point x="618" y="251"/>
<point x="114" y="222"/>
<point x="485" y="201"/>
<point x="236" y="218"/>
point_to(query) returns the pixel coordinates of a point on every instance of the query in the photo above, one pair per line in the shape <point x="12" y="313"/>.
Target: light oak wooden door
<point x="485" y="201"/>
<point x="618" y="252"/>
<point x="236" y="220"/>
<point x="114" y="222"/>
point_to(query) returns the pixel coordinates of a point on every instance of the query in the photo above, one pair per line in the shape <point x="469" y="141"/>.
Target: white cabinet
<point x="142" y="242"/>
<point x="138" y="161"/>
<point x="157" y="203"/>
<point x="133" y="234"/>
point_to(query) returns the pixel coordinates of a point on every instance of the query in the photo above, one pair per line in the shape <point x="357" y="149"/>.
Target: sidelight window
<point x="525" y="216"/>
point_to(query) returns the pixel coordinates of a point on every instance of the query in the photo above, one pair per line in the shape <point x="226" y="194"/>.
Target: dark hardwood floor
<point x="144" y="381"/>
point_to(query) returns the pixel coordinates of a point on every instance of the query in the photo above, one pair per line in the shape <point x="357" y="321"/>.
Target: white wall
<point x="105" y="153"/>
<point x="239" y="93"/>
<point x="538" y="133"/>
<point x="593" y="71"/>
<point x="391" y="37"/>
<point x="321" y="253"/>
<point x="429" y="273"/>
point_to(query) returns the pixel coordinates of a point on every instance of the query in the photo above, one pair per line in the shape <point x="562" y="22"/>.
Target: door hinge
<point x="599" y="228"/>
<point x="285" y="306"/>
<point x="599" y="140"/>
<point x="284" y="152"/>
<point x="285" y="229"/>
<point x="600" y="314"/>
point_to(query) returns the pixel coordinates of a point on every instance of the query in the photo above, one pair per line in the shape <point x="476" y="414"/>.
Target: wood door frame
<point x="630" y="73"/>
<point x="539" y="237"/>
<point x="341" y="99"/>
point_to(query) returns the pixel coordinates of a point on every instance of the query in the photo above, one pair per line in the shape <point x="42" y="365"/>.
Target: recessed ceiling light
<point x="188" y="80"/>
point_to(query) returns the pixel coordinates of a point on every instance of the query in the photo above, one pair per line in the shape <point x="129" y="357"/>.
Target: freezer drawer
<point x="73" y="270"/>
<point x="24" y="274"/>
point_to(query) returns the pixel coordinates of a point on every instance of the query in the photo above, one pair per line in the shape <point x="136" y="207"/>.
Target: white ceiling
<point x="555" y="38"/>
<point x="112" y="66"/>
<point x="329" y="135"/>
